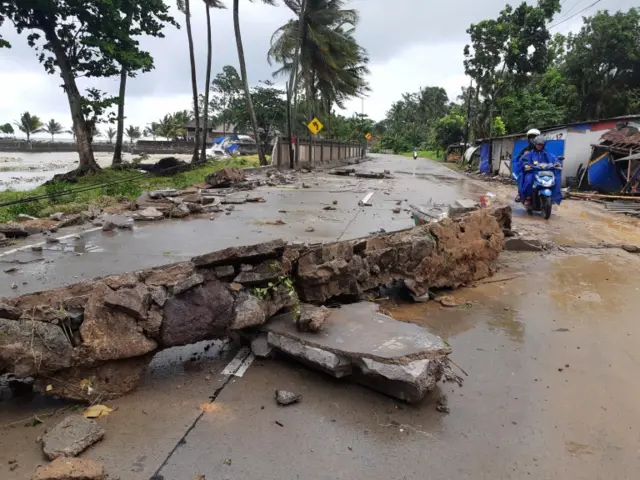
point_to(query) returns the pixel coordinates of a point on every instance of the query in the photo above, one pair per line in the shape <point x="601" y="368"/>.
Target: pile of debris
<point x="95" y="338"/>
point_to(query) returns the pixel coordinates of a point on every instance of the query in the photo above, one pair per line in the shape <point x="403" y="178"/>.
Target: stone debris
<point x="275" y="178"/>
<point x="70" y="469"/>
<point x="111" y="222"/>
<point x="225" y="178"/>
<point x="13" y="230"/>
<point x="260" y="346"/>
<point x="71" y="436"/>
<point x="166" y="193"/>
<point x="284" y="397"/>
<point x="519" y="244"/>
<point x="105" y="331"/>
<point x="149" y="214"/>
<point x="631" y="248"/>
<point x="71" y="221"/>
<point x="312" y="318"/>
<point x="400" y="359"/>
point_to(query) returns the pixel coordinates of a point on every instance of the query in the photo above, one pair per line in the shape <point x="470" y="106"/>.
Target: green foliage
<point x="29" y="124"/>
<point x="53" y="128"/>
<point x="7" y="129"/>
<point x="498" y="128"/>
<point x="133" y="133"/>
<point x="448" y="130"/>
<point x="270" y="109"/>
<point x="110" y="133"/>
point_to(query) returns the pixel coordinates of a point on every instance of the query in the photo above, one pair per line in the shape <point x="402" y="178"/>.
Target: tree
<point x="208" y="4"/>
<point x="110" y="134"/>
<point x="133" y="133"/>
<point x="270" y="109"/>
<point x="29" y="124"/>
<point x="53" y="128"/>
<point x="85" y="38"/>
<point x="245" y="79"/>
<point x="7" y="129"/>
<point x="448" y="130"/>
<point x="185" y="7"/>
<point x="226" y="89"/>
<point x="152" y="130"/>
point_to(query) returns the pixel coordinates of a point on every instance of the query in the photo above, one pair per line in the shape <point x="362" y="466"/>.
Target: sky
<point x="411" y="44"/>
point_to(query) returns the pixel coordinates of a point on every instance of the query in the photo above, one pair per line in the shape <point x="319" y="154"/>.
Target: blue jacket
<point x="539" y="157"/>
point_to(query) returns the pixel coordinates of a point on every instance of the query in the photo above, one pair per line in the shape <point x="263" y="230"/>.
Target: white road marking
<point x="245" y="365"/>
<point x="366" y="199"/>
<point x="40" y="244"/>
<point x="237" y="361"/>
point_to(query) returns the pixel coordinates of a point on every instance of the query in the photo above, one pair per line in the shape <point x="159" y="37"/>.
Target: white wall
<point x="577" y="150"/>
<point x="502" y="152"/>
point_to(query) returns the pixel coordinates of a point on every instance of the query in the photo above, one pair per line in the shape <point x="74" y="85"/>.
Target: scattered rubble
<point x="518" y="244"/>
<point x="70" y="437"/>
<point x="13" y="230"/>
<point x="312" y="318"/>
<point x="225" y="178"/>
<point x="70" y="469"/>
<point x="284" y="398"/>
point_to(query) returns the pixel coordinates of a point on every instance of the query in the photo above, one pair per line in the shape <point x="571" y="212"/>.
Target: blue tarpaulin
<point x="484" y="158"/>
<point x="603" y="175"/>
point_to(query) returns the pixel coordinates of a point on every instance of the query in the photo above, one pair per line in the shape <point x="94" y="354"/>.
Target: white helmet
<point x="534" y="132"/>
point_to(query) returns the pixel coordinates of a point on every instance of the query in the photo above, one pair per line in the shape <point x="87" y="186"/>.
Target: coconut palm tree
<point x="245" y="80"/>
<point x="208" y="4"/>
<point x="110" y="133"/>
<point x="133" y="133"/>
<point x="185" y="7"/>
<point x="29" y="124"/>
<point x="152" y="130"/>
<point x="53" y="128"/>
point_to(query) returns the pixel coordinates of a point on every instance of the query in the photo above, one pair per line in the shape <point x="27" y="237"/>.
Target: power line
<point x="574" y="15"/>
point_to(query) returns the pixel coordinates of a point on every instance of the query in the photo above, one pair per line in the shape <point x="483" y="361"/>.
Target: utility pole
<point x="466" y="130"/>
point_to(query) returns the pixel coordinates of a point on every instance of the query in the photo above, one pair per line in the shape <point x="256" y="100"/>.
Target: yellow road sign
<point x="315" y="126"/>
<point x="368" y="136"/>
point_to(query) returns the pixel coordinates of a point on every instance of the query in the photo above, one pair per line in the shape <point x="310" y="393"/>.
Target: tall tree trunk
<point x="80" y="127"/>
<point x="117" y="152"/>
<point x="194" y="84"/>
<point x="207" y="82"/>
<point x="245" y="82"/>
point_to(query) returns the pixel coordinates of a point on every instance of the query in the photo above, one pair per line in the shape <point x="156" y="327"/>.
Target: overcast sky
<point x="411" y="43"/>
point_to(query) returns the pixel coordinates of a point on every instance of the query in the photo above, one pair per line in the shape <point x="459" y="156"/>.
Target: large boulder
<point x="111" y="334"/>
<point x="249" y="312"/>
<point x="240" y="255"/>
<point x="202" y="313"/>
<point x="227" y="177"/>
<point x="132" y="301"/>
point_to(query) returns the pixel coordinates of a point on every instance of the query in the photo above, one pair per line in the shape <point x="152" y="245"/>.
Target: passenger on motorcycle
<point x="526" y="173"/>
<point x="517" y="163"/>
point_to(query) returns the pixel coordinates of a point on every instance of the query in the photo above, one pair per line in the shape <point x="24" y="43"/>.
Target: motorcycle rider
<point x="526" y="173"/>
<point x="531" y="136"/>
<point x="415" y="154"/>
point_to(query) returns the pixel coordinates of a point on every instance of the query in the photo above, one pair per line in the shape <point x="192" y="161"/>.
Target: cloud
<point x="411" y="43"/>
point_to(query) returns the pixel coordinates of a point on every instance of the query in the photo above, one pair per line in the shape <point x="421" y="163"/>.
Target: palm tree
<point x="133" y="133"/>
<point x="245" y="80"/>
<point x="185" y="7"/>
<point x="29" y="124"/>
<point x="152" y="130"/>
<point x="53" y="128"/>
<point x="110" y="133"/>
<point x="208" y="4"/>
<point x="179" y="122"/>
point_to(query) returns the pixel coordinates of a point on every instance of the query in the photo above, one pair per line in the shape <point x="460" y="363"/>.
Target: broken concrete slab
<point x="110" y="222"/>
<point x="70" y="437"/>
<point x="227" y="177"/>
<point x="284" y="397"/>
<point x="168" y="192"/>
<point x="312" y="318"/>
<point x="400" y="359"/>
<point x="519" y="244"/>
<point x="13" y="230"/>
<point x="260" y="346"/>
<point x="187" y="283"/>
<point x="249" y="312"/>
<point x="240" y="255"/>
<point x="70" y="469"/>
<point x="149" y="214"/>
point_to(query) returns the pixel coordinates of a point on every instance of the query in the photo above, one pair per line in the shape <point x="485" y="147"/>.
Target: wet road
<point x="101" y="253"/>
<point x="550" y="346"/>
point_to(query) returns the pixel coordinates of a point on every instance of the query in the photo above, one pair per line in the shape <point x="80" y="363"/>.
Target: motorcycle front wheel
<point x="546" y="207"/>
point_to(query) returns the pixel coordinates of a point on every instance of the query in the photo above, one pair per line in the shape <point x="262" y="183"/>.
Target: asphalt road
<point x="549" y="345"/>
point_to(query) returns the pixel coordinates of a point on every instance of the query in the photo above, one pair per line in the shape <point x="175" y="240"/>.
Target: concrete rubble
<point x="71" y="437"/>
<point x="400" y="359"/>
<point x="70" y="469"/>
<point x="95" y="338"/>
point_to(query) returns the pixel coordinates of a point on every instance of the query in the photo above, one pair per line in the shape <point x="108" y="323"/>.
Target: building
<point x="573" y="141"/>
<point x="213" y="132"/>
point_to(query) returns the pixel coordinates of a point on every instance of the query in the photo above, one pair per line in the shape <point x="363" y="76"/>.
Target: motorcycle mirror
<point x="561" y="159"/>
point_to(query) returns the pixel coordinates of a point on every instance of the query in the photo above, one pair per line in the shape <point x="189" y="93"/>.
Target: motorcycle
<point x="544" y="183"/>
<point x="415" y="155"/>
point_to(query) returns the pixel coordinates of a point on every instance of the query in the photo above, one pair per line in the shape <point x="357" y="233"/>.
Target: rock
<point x="71" y="221"/>
<point x="58" y="216"/>
<point x="158" y="295"/>
<point x="227" y="177"/>
<point x="268" y="271"/>
<point x="193" y="198"/>
<point x="167" y="276"/>
<point x="284" y="398"/>
<point x="97" y="222"/>
<point x="132" y="301"/>
<point x="149" y="214"/>
<point x="28" y="347"/>
<point x="400" y="359"/>
<point x="210" y="200"/>
<point x="260" y="346"/>
<point x="125" y="280"/>
<point x="194" y="207"/>
<point x="152" y="324"/>
<point x="36" y="248"/>
<point x="239" y="255"/>
<point x="180" y="211"/>
<point x="11" y="230"/>
<point x="518" y="244"/>
<point x="631" y="248"/>
<point x="202" y="313"/>
<point x="234" y="200"/>
<point x="9" y="312"/>
<point x="463" y="205"/>
<point x="187" y="283"/>
<point x="312" y="318"/>
<point x="3" y="240"/>
<point x="225" y="271"/>
<point x="109" y="334"/>
<point x="249" y="312"/>
<point x="52" y="240"/>
<point x="503" y="216"/>
<point x="70" y="437"/>
<point x="168" y="192"/>
<point x="447" y="301"/>
<point x="310" y="230"/>
<point x="70" y="469"/>
<point x="101" y="382"/>
<point x="117" y="221"/>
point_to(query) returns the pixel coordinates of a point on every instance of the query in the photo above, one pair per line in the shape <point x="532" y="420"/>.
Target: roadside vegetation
<point x="131" y="184"/>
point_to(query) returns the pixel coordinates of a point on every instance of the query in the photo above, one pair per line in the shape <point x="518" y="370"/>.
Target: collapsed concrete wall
<point x="97" y="337"/>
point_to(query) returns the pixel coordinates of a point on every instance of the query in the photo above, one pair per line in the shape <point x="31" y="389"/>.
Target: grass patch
<point x="430" y="154"/>
<point x="131" y="186"/>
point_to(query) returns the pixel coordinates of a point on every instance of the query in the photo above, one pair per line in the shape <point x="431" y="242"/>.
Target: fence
<point x="316" y="152"/>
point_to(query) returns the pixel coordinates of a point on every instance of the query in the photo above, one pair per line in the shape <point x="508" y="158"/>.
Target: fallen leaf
<point x="49" y="388"/>
<point x="97" y="411"/>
